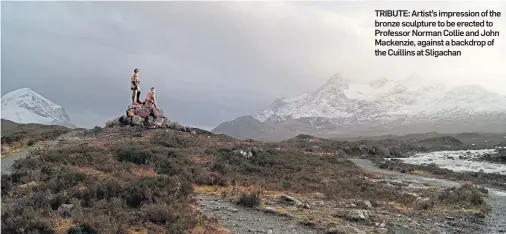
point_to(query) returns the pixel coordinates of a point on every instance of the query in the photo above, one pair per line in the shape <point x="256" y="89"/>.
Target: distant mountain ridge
<point x="383" y="106"/>
<point x="27" y="106"/>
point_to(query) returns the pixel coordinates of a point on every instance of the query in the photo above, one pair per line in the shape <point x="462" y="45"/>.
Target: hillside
<point x="342" y="108"/>
<point x="139" y="180"/>
<point x="15" y="136"/>
<point x="27" y="106"/>
<point x="470" y="139"/>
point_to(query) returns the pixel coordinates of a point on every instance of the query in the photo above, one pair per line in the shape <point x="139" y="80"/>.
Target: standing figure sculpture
<point x="134" y="86"/>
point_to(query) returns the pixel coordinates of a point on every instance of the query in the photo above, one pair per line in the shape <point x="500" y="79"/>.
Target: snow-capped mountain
<point x="329" y="102"/>
<point x="381" y="106"/>
<point x="26" y="106"/>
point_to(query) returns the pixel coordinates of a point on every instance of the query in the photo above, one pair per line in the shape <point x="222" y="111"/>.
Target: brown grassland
<point x="133" y="180"/>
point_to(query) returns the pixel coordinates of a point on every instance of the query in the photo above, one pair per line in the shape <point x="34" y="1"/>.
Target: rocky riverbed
<point x="460" y="160"/>
<point x="493" y="222"/>
<point x="463" y="165"/>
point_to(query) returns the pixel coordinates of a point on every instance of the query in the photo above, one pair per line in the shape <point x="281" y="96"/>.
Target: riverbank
<point x="464" y="165"/>
<point x="490" y="222"/>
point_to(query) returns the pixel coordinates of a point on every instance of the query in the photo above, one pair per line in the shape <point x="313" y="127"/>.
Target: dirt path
<point x="495" y="221"/>
<point x="415" y="179"/>
<point x="244" y="220"/>
<point x="9" y="160"/>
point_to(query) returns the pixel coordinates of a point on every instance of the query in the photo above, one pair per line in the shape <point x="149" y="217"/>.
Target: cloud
<point x="212" y="61"/>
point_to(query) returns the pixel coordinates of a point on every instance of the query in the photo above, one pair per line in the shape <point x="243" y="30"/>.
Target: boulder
<point x="401" y="230"/>
<point x="176" y="126"/>
<point x="291" y="200"/>
<point x="125" y="120"/>
<point x="143" y="112"/>
<point x="270" y="210"/>
<point x="113" y="122"/>
<point x="158" y="122"/>
<point x="166" y="123"/>
<point x="357" y="215"/>
<point x="367" y="204"/>
<point x="138" y="120"/>
<point x="158" y="113"/>
<point x="150" y="121"/>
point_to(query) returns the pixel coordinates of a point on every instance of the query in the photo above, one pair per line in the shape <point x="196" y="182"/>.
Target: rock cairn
<point x="142" y="116"/>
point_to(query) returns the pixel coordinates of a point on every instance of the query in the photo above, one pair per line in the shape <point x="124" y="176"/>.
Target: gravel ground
<point x="244" y="220"/>
<point x="496" y="220"/>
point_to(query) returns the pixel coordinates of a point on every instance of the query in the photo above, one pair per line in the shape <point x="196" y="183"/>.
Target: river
<point x="465" y="161"/>
<point x="462" y="161"/>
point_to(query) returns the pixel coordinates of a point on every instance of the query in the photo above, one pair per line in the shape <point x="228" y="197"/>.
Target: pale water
<point x="450" y="160"/>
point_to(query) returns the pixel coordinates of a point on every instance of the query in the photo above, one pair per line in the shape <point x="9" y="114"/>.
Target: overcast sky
<point x="213" y="61"/>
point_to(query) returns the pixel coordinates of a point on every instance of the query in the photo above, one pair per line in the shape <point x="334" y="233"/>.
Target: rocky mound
<point x="499" y="157"/>
<point x="304" y="137"/>
<point x="143" y="116"/>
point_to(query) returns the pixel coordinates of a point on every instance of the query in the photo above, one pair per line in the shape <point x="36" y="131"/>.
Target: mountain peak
<point x="23" y="90"/>
<point x="336" y="77"/>
<point x="20" y="91"/>
<point x="24" y="96"/>
<point x="27" y="106"/>
<point x="342" y="106"/>
<point x="26" y="90"/>
<point x="336" y="82"/>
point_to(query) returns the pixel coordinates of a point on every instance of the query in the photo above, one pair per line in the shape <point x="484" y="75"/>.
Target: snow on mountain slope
<point x="22" y="115"/>
<point x="329" y="102"/>
<point x="344" y="108"/>
<point x="339" y="98"/>
<point x="473" y="98"/>
<point x="26" y="106"/>
<point x="409" y="100"/>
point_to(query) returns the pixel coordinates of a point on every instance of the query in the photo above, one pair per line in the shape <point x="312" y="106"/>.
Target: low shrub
<point x="83" y="229"/>
<point x="250" y="197"/>
<point x="30" y="142"/>
<point x="133" y="156"/>
<point x="468" y="194"/>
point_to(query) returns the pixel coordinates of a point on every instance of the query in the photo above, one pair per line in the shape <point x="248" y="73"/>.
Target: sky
<point x="214" y="61"/>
